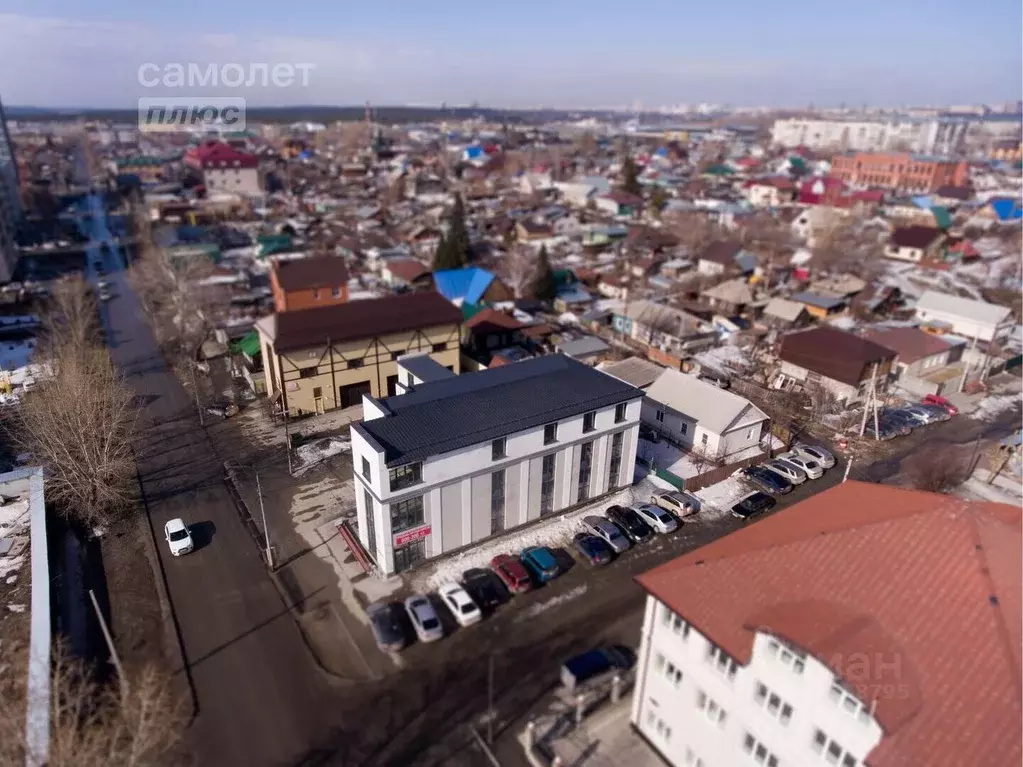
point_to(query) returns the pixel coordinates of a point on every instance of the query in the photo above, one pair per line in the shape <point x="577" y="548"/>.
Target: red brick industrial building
<point x="898" y="172"/>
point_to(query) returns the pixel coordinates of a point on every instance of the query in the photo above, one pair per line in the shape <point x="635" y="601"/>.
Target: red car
<point x="512" y="573"/>
<point x="937" y="399"/>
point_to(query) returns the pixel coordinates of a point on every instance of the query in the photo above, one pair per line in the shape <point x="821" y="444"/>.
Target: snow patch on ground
<point x="317" y="451"/>
<point x="995" y="405"/>
<point x="541" y="607"/>
<point x="664" y="455"/>
<point x="717" y="500"/>
<point x="724" y="358"/>
<point x="14" y="518"/>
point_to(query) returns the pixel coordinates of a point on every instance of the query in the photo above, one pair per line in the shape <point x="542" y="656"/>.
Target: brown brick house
<point x="309" y="283"/>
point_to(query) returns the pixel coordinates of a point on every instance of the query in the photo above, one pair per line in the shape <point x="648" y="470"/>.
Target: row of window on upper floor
<point x="358" y="362"/>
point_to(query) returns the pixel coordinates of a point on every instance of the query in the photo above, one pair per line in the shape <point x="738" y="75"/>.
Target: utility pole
<point x="966" y="368"/>
<point x="848" y="466"/>
<point x="195" y="387"/>
<point x="490" y="700"/>
<point x="266" y="530"/>
<point x="871" y="402"/>
<point x="287" y="440"/>
<point x="114" y="657"/>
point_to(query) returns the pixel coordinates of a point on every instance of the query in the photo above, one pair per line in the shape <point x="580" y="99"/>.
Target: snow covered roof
<point x="965" y="308"/>
<point x="712" y="408"/>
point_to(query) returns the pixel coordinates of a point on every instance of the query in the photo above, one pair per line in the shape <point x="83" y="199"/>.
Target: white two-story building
<point x="455" y="460"/>
<point x="965" y="316"/>
<point x="819" y="637"/>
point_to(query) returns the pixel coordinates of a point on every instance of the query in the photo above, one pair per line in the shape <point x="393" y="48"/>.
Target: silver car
<point x="803" y="462"/>
<point x="921" y="414"/>
<point x="656" y="517"/>
<point x="818" y="454"/>
<point x="607" y="531"/>
<point x="787" y="469"/>
<point x="424" y="618"/>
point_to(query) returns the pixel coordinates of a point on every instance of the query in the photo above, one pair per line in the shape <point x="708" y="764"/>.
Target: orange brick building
<point x="309" y="283"/>
<point x="898" y="172"/>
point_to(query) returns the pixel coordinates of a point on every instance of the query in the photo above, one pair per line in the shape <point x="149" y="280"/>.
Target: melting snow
<point x="995" y="404"/>
<point x="533" y="610"/>
<point x="716" y="500"/>
<point x="312" y="453"/>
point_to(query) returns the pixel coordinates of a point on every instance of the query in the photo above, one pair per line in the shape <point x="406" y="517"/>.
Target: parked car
<point x="768" y="480"/>
<point x="886" y="430"/>
<point x="648" y="433"/>
<point x="901" y="423"/>
<point x="389" y="625"/>
<point x="808" y="466"/>
<point x="608" y="531"/>
<point x="485" y="587"/>
<point x="585" y="667"/>
<point x="937" y="399"/>
<point x="540" y="563"/>
<point x="458" y="601"/>
<point x="512" y="573"/>
<point x="790" y="471"/>
<point x="105" y="295"/>
<point x="424" y="618"/>
<point x="102" y="284"/>
<point x="593" y="549"/>
<point x="660" y="520"/>
<point x="631" y="523"/>
<point x="753" y="504"/>
<point x="814" y="453"/>
<point x="179" y="539"/>
<point x="925" y="415"/>
<point x="677" y="502"/>
<point x="222" y="410"/>
<point x="936" y="412"/>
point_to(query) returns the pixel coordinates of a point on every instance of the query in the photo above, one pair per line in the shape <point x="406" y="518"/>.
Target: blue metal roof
<point x="467" y="284"/>
<point x="816" y="299"/>
<point x="1006" y="208"/>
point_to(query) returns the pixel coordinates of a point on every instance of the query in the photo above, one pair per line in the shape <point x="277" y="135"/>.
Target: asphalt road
<point x="257" y="691"/>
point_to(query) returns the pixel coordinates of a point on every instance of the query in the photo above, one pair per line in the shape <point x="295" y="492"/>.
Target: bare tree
<point x="767" y="234"/>
<point x="703" y="459"/>
<point x="694" y="231"/>
<point x="847" y="246"/>
<point x="93" y="724"/>
<point x="71" y="318"/>
<point x="940" y="473"/>
<point x="517" y="268"/>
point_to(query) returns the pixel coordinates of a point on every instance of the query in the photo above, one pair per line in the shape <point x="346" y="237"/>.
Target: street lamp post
<point x="266" y="530"/>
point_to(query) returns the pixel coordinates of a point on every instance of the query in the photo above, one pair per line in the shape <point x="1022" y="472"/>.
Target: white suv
<point x="179" y="539"/>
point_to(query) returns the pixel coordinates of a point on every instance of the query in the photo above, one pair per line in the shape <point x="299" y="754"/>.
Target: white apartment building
<point x="967" y="317"/>
<point x="788" y="644"/>
<point x="10" y="203"/>
<point x="938" y="136"/>
<point x="456" y="459"/>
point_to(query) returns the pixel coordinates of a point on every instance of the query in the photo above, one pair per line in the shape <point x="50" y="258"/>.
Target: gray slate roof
<point x="424" y="367"/>
<point x="476" y="408"/>
<point x="980" y="312"/>
<point x="634" y="370"/>
<point x="583" y="347"/>
<point x="712" y="408"/>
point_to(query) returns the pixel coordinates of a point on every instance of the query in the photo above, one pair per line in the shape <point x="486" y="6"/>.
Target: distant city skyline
<point x="564" y="54"/>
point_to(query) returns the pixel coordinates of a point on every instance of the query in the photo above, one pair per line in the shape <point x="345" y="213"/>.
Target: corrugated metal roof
<point x="712" y="408"/>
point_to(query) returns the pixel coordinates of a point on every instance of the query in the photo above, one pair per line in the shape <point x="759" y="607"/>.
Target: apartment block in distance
<point x="867" y="625"/>
<point x="904" y="173"/>
<point x="454" y="460"/>
<point x="316" y="360"/>
<point x="938" y="135"/>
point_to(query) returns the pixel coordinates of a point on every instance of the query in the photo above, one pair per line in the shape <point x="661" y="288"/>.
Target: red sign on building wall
<point x="411" y="535"/>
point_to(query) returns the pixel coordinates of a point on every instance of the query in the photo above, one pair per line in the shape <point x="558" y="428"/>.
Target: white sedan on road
<point x="458" y="601"/>
<point x="178" y="537"/>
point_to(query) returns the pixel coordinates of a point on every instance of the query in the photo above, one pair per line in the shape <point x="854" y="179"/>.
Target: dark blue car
<point x="592" y="548"/>
<point x="540" y="563"/>
<point x="768" y="480"/>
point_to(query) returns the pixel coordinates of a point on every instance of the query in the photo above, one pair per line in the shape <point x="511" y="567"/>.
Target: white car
<point x="817" y="454"/>
<point x="790" y="471"/>
<point x="678" y="503"/>
<point x="424" y="618"/>
<point x="458" y="601"/>
<point x="656" y="517"/>
<point x="810" y="467"/>
<point x="178" y="537"/>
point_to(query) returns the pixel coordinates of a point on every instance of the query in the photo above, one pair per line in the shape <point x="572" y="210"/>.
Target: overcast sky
<point x="569" y="53"/>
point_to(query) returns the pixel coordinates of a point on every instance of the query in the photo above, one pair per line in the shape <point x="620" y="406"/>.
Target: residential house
<point x="675" y="268"/>
<point x="664" y="327"/>
<point x="471" y="285"/>
<point x="587" y="349"/>
<point x="614" y="286"/>
<point x="725" y="258"/>
<point x="458" y="460"/>
<point x="922" y="365"/>
<point x="404" y="272"/>
<point x="528" y="230"/>
<point x="698" y="415"/>
<point x="573" y="297"/>
<point x="820" y="305"/>
<point x="845" y="286"/>
<point x="619" y="203"/>
<point x="321" y="359"/>
<point x="971" y="319"/>
<point x="840" y="362"/>
<point x="782" y="314"/>
<point x="953" y="196"/>
<point x="488" y="331"/>
<point x="308" y="283"/>
<point x="915" y="243"/>
<point x="730" y="297"/>
<point x="418" y="368"/>
<point x="224" y="168"/>
<point x="849" y="629"/>
<point x="637" y="371"/>
<point x="770" y="192"/>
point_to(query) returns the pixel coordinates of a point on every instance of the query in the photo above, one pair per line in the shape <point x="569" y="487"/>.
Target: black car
<point x="631" y="523"/>
<point x="390" y="628"/>
<point x="592" y="548"/>
<point x="903" y="422"/>
<point x="485" y="588"/>
<point x="754" y="504"/>
<point x="768" y="480"/>
<point x="886" y="430"/>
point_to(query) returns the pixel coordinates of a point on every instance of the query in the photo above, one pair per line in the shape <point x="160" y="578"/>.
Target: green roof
<point x="564" y="277"/>
<point x="719" y="169"/>
<point x="248" y="345"/>
<point x="471" y="310"/>
<point x="274" y="243"/>
<point x="797" y="162"/>
<point x="942" y="217"/>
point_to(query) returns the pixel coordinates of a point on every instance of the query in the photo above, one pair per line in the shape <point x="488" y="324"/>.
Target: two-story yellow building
<point x="325" y="358"/>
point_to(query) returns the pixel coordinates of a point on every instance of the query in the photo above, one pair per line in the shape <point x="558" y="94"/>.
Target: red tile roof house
<point x="841" y="362"/>
<point x="225" y="169"/>
<point x="867" y="625"/>
<point x="922" y="365"/>
<point x="914" y="243"/>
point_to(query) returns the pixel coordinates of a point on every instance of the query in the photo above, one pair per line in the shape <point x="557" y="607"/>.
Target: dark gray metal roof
<point x="469" y="409"/>
<point x="424" y="367"/>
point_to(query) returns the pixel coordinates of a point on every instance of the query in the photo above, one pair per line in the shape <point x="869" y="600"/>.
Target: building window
<point x="307" y="372"/>
<point x="406" y="476"/>
<point x="772" y="703"/>
<point x="722" y="661"/>
<point x="658" y="725"/>
<point x="849" y="702"/>
<point x="585" y="465"/>
<point x="367" y="472"/>
<point x="336" y="292"/>
<point x="371" y="526"/>
<point x="439" y="348"/>
<point x="395" y="355"/>
<point x="683" y="429"/>
<point x="547" y="485"/>
<point x="497" y="502"/>
<point x="660" y="416"/>
<point x="353" y="364"/>
<point x="703" y="439"/>
<point x="317" y="392"/>
<point x="674" y="621"/>
<point x="407" y="514"/>
<point x="550" y="433"/>
<point x="614" y="475"/>
<point x="620" y="412"/>
<point x="711" y="709"/>
<point x="794" y="660"/>
<point x="673" y="674"/>
<point x="499" y="449"/>
<point x="316" y="294"/>
<point x="832" y="752"/>
<point x="760" y="753"/>
<point x="692" y="760"/>
<point x="589" y="422"/>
